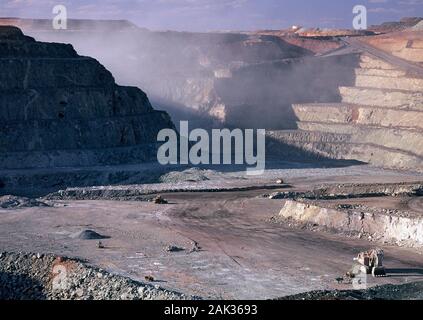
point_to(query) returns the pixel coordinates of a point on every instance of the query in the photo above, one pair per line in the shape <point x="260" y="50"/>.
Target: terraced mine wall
<point x="262" y="95"/>
<point x="222" y="79"/>
<point x="343" y="106"/>
<point x="377" y="120"/>
<point x="60" y="109"/>
<point x="407" y="45"/>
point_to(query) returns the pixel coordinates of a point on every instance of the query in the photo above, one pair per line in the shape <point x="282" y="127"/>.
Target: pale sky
<point x="208" y="15"/>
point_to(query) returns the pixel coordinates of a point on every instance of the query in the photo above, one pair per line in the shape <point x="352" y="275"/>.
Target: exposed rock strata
<point x="378" y="120"/>
<point x="381" y="225"/>
<point x="60" y="109"/>
<point x="216" y="79"/>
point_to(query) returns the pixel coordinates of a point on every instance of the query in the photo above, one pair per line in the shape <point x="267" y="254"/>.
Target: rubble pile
<point x="27" y="276"/>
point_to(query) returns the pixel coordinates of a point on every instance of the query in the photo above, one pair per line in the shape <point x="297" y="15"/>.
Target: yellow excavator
<point x="372" y="262"/>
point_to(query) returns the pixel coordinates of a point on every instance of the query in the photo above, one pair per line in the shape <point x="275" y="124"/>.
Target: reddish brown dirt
<point x="242" y="255"/>
<point x="314" y="45"/>
<point x="399" y="42"/>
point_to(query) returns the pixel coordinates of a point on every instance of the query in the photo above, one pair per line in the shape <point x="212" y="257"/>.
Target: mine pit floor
<point x="230" y="249"/>
<point x="241" y="255"/>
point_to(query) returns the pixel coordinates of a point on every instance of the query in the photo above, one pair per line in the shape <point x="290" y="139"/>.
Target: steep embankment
<point x="377" y="120"/>
<point x="347" y="106"/>
<point x="26" y="276"/>
<point x="407" y="45"/>
<point x="62" y="113"/>
<point x="231" y="79"/>
<point x="388" y="212"/>
<point x="60" y="109"/>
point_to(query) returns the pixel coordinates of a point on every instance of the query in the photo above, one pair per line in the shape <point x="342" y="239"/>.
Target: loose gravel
<point x="409" y="291"/>
<point x="28" y="276"/>
<point x="12" y="202"/>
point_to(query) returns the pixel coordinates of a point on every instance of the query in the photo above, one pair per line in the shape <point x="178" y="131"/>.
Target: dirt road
<point x="411" y="68"/>
<point x="242" y="255"/>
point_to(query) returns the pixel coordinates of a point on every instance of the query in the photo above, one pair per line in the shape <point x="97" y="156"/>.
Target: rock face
<point x="212" y="79"/>
<point x="378" y="120"/>
<point x="346" y="106"/>
<point x="385" y="225"/>
<point x="393" y="26"/>
<point x="59" y="109"/>
<point x="407" y="44"/>
<point x="388" y="212"/>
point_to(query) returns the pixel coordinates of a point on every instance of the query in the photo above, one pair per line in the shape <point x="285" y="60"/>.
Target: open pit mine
<point x="87" y="212"/>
